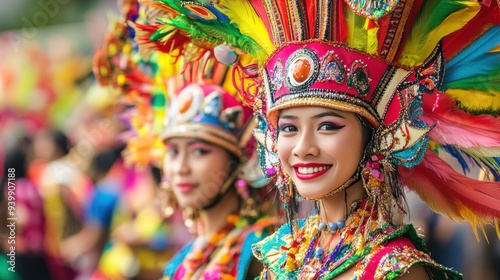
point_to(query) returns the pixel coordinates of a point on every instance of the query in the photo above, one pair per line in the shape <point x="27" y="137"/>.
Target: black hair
<point x="102" y="162"/>
<point x="61" y="141"/>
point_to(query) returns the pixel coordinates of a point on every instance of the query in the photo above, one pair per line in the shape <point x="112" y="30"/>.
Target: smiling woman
<point x="316" y="141"/>
<point x="349" y="96"/>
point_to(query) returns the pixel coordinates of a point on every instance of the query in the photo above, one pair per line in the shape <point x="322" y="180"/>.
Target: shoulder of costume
<point x="176" y="260"/>
<point x="268" y="251"/>
<point x="255" y="233"/>
<point x="397" y="254"/>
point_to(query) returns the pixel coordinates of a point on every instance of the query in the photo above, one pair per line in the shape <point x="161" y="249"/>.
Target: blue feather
<point x="476" y="54"/>
<point x="457" y="155"/>
<point x="491" y="163"/>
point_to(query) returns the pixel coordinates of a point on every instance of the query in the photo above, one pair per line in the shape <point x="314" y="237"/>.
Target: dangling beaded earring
<point x="248" y="209"/>
<point x="190" y="216"/>
<point x="167" y="199"/>
<point x="377" y="181"/>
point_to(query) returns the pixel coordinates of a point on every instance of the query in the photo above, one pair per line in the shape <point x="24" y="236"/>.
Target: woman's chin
<point x="307" y="193"/>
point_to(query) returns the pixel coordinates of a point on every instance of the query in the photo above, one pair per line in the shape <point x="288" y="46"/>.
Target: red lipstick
<point x="185" y="187"/>
<point x="307" y="170"/>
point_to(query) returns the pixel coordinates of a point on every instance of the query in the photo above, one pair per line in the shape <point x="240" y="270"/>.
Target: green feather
<point x="486" y="83"/>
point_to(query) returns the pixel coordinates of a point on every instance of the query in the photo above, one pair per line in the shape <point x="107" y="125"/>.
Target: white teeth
<point x="311" y="170"/>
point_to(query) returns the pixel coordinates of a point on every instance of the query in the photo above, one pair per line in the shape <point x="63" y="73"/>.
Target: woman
<point x="210" y="168"/>
<point x="203" y="166"/>
<point x="348" y="92"/>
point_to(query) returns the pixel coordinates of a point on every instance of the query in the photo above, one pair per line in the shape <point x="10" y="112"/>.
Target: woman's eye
<point x="199" y="152"/>
<point x="171" y="152"/>
<point x="288" y="128"/>
<point x="330" y="126"/>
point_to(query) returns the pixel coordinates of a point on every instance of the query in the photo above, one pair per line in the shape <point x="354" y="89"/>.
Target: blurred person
<point x="445" y="239"/>
<point x="31" y="258"/>
<point x="82" y="250"/>
<point x="140" y="245"/>
<point x="62" y="186"/>
<point x="210" y="168"/>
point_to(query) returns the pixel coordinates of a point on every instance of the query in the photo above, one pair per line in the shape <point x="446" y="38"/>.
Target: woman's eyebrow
<point x="327" y="114"/>
<point x="288" y="117"/>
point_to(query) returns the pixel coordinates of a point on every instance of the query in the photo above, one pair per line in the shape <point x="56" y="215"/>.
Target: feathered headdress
<point x="424" y="74"/>
<point x="173" y="90"/>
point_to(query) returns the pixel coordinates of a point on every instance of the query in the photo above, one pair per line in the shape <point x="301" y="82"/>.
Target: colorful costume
<point x="423" y="75"/>
<point x="207" y="112"/>
<point x="182" y="91"/>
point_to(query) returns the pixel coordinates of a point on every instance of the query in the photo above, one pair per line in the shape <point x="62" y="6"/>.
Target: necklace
<point x="308" y="260"/>
<point x="204" y="248"/>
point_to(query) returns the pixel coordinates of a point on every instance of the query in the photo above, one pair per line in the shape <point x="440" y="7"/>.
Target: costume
<point x="181" y="90"/>
<point x="205" y="111"/>
<point x="403" y="67"/>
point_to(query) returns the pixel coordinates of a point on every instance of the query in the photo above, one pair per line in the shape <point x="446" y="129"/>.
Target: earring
<point x="373" y="176"/>
<point x="378" y="178"/>
<point x="190" y="217"/>
<point x="167" y="199"/>
<point x="249" y="207"/>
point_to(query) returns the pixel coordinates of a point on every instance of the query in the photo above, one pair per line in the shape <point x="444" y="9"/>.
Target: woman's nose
<point x="306" y="146"/>
<point x="182" y="164"/>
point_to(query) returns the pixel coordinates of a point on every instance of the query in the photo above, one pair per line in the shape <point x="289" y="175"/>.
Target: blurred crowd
<point x="81" y="211"/>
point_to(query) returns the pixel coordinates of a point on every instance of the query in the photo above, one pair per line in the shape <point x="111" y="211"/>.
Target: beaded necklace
<point x="204" y="250"/>
<point x="308" y="260"/>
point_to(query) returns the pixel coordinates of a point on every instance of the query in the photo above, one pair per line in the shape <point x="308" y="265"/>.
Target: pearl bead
<point x="333" y="226"/>
<point x="318" y="252"/>
<point x="322" y="226"/>
<point x="225" y="55"/>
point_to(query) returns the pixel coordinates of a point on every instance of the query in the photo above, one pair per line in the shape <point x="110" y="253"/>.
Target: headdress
<point x="179" y="91"/>
<point x="424" y="74"/>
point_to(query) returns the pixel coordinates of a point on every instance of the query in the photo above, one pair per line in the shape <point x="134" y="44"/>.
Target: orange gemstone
<point x="301" y="70"/>
<point x="185" y="103"/>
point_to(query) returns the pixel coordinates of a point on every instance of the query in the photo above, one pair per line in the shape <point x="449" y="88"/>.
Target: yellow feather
<point x="495" y="49"/>
<point x="484" y="151"/>
<point x="249" y="23"/>
<point x="415" y="53"/>
<point x="476" y="100"/>
<point x="451" y="24"/>
<point x="371" y="39"/>
<point x="357" y="37"/>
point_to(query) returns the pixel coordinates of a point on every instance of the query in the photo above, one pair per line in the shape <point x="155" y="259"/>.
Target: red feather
<point x="146" y="46"/>
<point x="454" y="126"/>
<point x="311" y="6"/>
<point x="462" y="38"/>
<point x="448" y="192"/>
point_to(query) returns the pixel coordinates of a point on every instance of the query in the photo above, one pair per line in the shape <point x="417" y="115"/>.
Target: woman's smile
<point x="309" y="171"/>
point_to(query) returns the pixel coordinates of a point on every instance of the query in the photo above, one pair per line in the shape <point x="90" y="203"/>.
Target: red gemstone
<point x="301" y="70"/>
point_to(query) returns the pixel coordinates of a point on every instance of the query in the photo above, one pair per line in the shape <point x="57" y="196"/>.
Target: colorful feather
<point x="453" y="126"/>
<point x="480" y="54"/>
<point x="466" y="160"/>
<point x="436" y="19"/>
<point x="487" y="83"/>
<point x="456" y="42"/>
<point x="248" y="23"/>
<point x="476" y="101"/>
<point x="452" y="194"/>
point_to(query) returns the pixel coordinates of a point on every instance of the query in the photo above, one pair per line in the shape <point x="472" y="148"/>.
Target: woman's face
<point x="196" y="170"/>
<point x="320" y="148"/>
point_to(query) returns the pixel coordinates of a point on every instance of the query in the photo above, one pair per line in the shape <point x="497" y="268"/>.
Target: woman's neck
<point x="333" y="208"/>
<point x="215" y="218"/>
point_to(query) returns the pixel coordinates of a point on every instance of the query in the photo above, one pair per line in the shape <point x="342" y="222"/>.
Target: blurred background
<point x="81" y="212"/>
